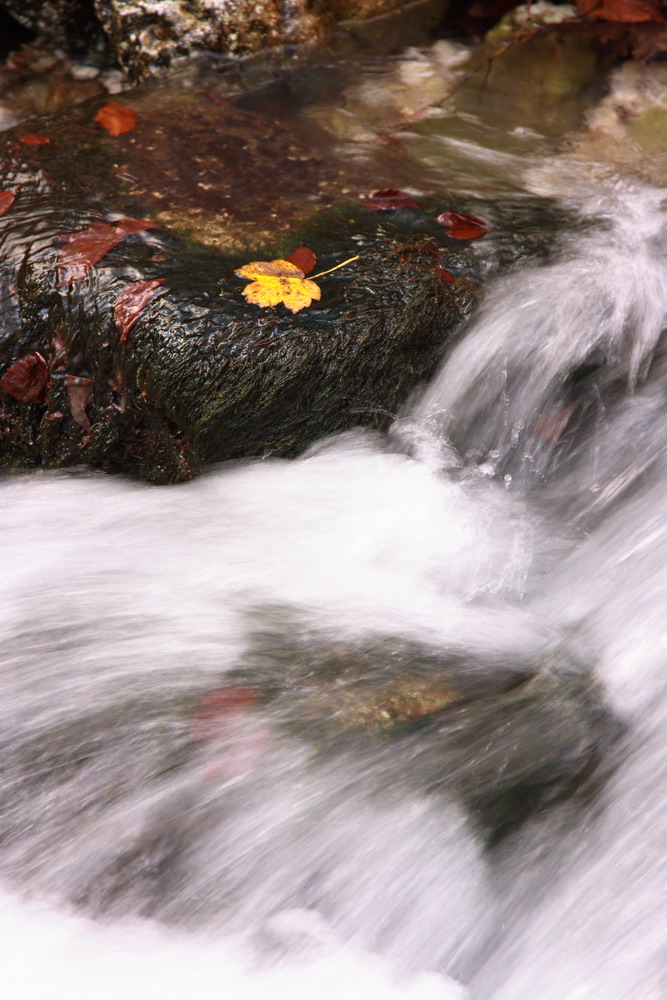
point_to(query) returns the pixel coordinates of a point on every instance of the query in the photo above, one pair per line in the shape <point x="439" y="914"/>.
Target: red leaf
<point x="34" y="140"/>
<point x="304" y="258"/>
<point x="79" y="392"/>
<point x="445" y="276"/>
<point x="116" y="118"/>
<point x="129" y="226"/>
<point x="6" y="201"/>
<point x="27" y="379"/>
<point x="87" y="247"/>
<point x="215" y="708"/>
<point x="213" y="97"/>
<point x="624" y="11"/>
<point x="130" y="303"/>
<point x="461" y="226"/>
<point x="386" y="198"/>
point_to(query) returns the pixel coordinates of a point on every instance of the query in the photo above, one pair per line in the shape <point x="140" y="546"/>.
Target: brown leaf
<point x="87" y="247"/>
<point x="625" y="11"/>
<point x="27" y="379"/>
<point x="6" y="201"/>
<point x="116" y="118"/>
<point x="30" y="139"/>
<point x="130" y="303"/>
<point x="388" y="198"/>
<point x="304" y="258"/>
<point x="462" y="226"/>
<point x="59" y="345"/>
<point x="79" y="393"/>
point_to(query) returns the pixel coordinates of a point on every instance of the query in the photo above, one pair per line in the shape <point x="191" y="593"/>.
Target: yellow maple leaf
<point x="275" y="281"/>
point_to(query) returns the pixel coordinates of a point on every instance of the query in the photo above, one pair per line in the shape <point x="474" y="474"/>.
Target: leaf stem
<point x="342" y="264"/>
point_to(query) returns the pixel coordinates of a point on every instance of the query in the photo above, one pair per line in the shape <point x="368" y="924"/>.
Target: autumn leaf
<point x="27" y="379"/>
<point x="218" y="706"/>
<point x="6" y="201"/>
<point x="444" y="275"/>
<point x="59" y="345"/>
<point x="116" y="118"/>
<point x="84" y="249"/>
<point x="30" y="139"/>
<point x="388" y="198"/>
<point x="304" y="258"/>
<point x="624" y="11"/>
<point x="79" y="393"/>
<point x="234" y="736"/>
<point x="278" y="281"/>
<point x="130" y="303"/>
<point x="462" y="226"/>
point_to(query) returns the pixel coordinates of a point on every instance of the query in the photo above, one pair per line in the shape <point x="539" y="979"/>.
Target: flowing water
<point x="157" y="842"/>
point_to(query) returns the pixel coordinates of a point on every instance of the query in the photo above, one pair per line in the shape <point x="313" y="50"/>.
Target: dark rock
<point x="70" y="23"/>
<point x="146" y="38"/>
<point x="506" y="737"/>
<point x="203" y="375"/>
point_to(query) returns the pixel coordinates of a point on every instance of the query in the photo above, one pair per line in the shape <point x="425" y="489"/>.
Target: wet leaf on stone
<point x="462" y="226"/>
<point x="84" y="249"/>
<point x="116" y="118"/>
<point x="27" y="379"/>
<point x="79" y="394"/>
<point x="444" y="275"/>
<point x="6" y="201"/>
<point x="59" y="345"/>
<point x="304" y="258"/>
<point x="388" y="198"/>
<point x="131" y="301"/>
<point x="30" y="139"/>
<point x="623" y="11"/>
<point x="277" y="281"/>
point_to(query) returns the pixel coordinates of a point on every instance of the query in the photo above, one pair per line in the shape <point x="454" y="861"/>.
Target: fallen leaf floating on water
<point x="79" y="393"/>
<point x="131" y="301"/>
<point x="388" y="198"/>
<point x="27" y="379"/>
<point x="304" y="258"/>
<point x="30" y="139"/>
<point x="462" y="226"/>
<point x="624" y="11"/>
<point x="84" y="249"/>
<point x="116" y="118"/>
<point x="275" y="281"/>
<point x="6" y="201"/>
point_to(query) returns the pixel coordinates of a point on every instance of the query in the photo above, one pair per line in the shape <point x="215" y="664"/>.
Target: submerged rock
<point x="506" y="737"/>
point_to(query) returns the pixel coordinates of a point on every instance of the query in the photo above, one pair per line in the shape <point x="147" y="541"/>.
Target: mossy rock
<point x="205" y="376"/>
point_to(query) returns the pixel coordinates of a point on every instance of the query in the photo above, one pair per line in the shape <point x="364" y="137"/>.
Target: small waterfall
<point x="188" y="791"/>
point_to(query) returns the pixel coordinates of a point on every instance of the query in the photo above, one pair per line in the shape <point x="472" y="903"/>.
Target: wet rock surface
<point x="203" y="375"/>
<point x="146" y="38"/>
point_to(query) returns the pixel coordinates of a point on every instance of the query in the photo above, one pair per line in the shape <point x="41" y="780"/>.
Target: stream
<point x="153" y="846"/>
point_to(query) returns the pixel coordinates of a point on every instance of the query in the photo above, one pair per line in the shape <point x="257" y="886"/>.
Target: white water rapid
<point x="151" y="850"/>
